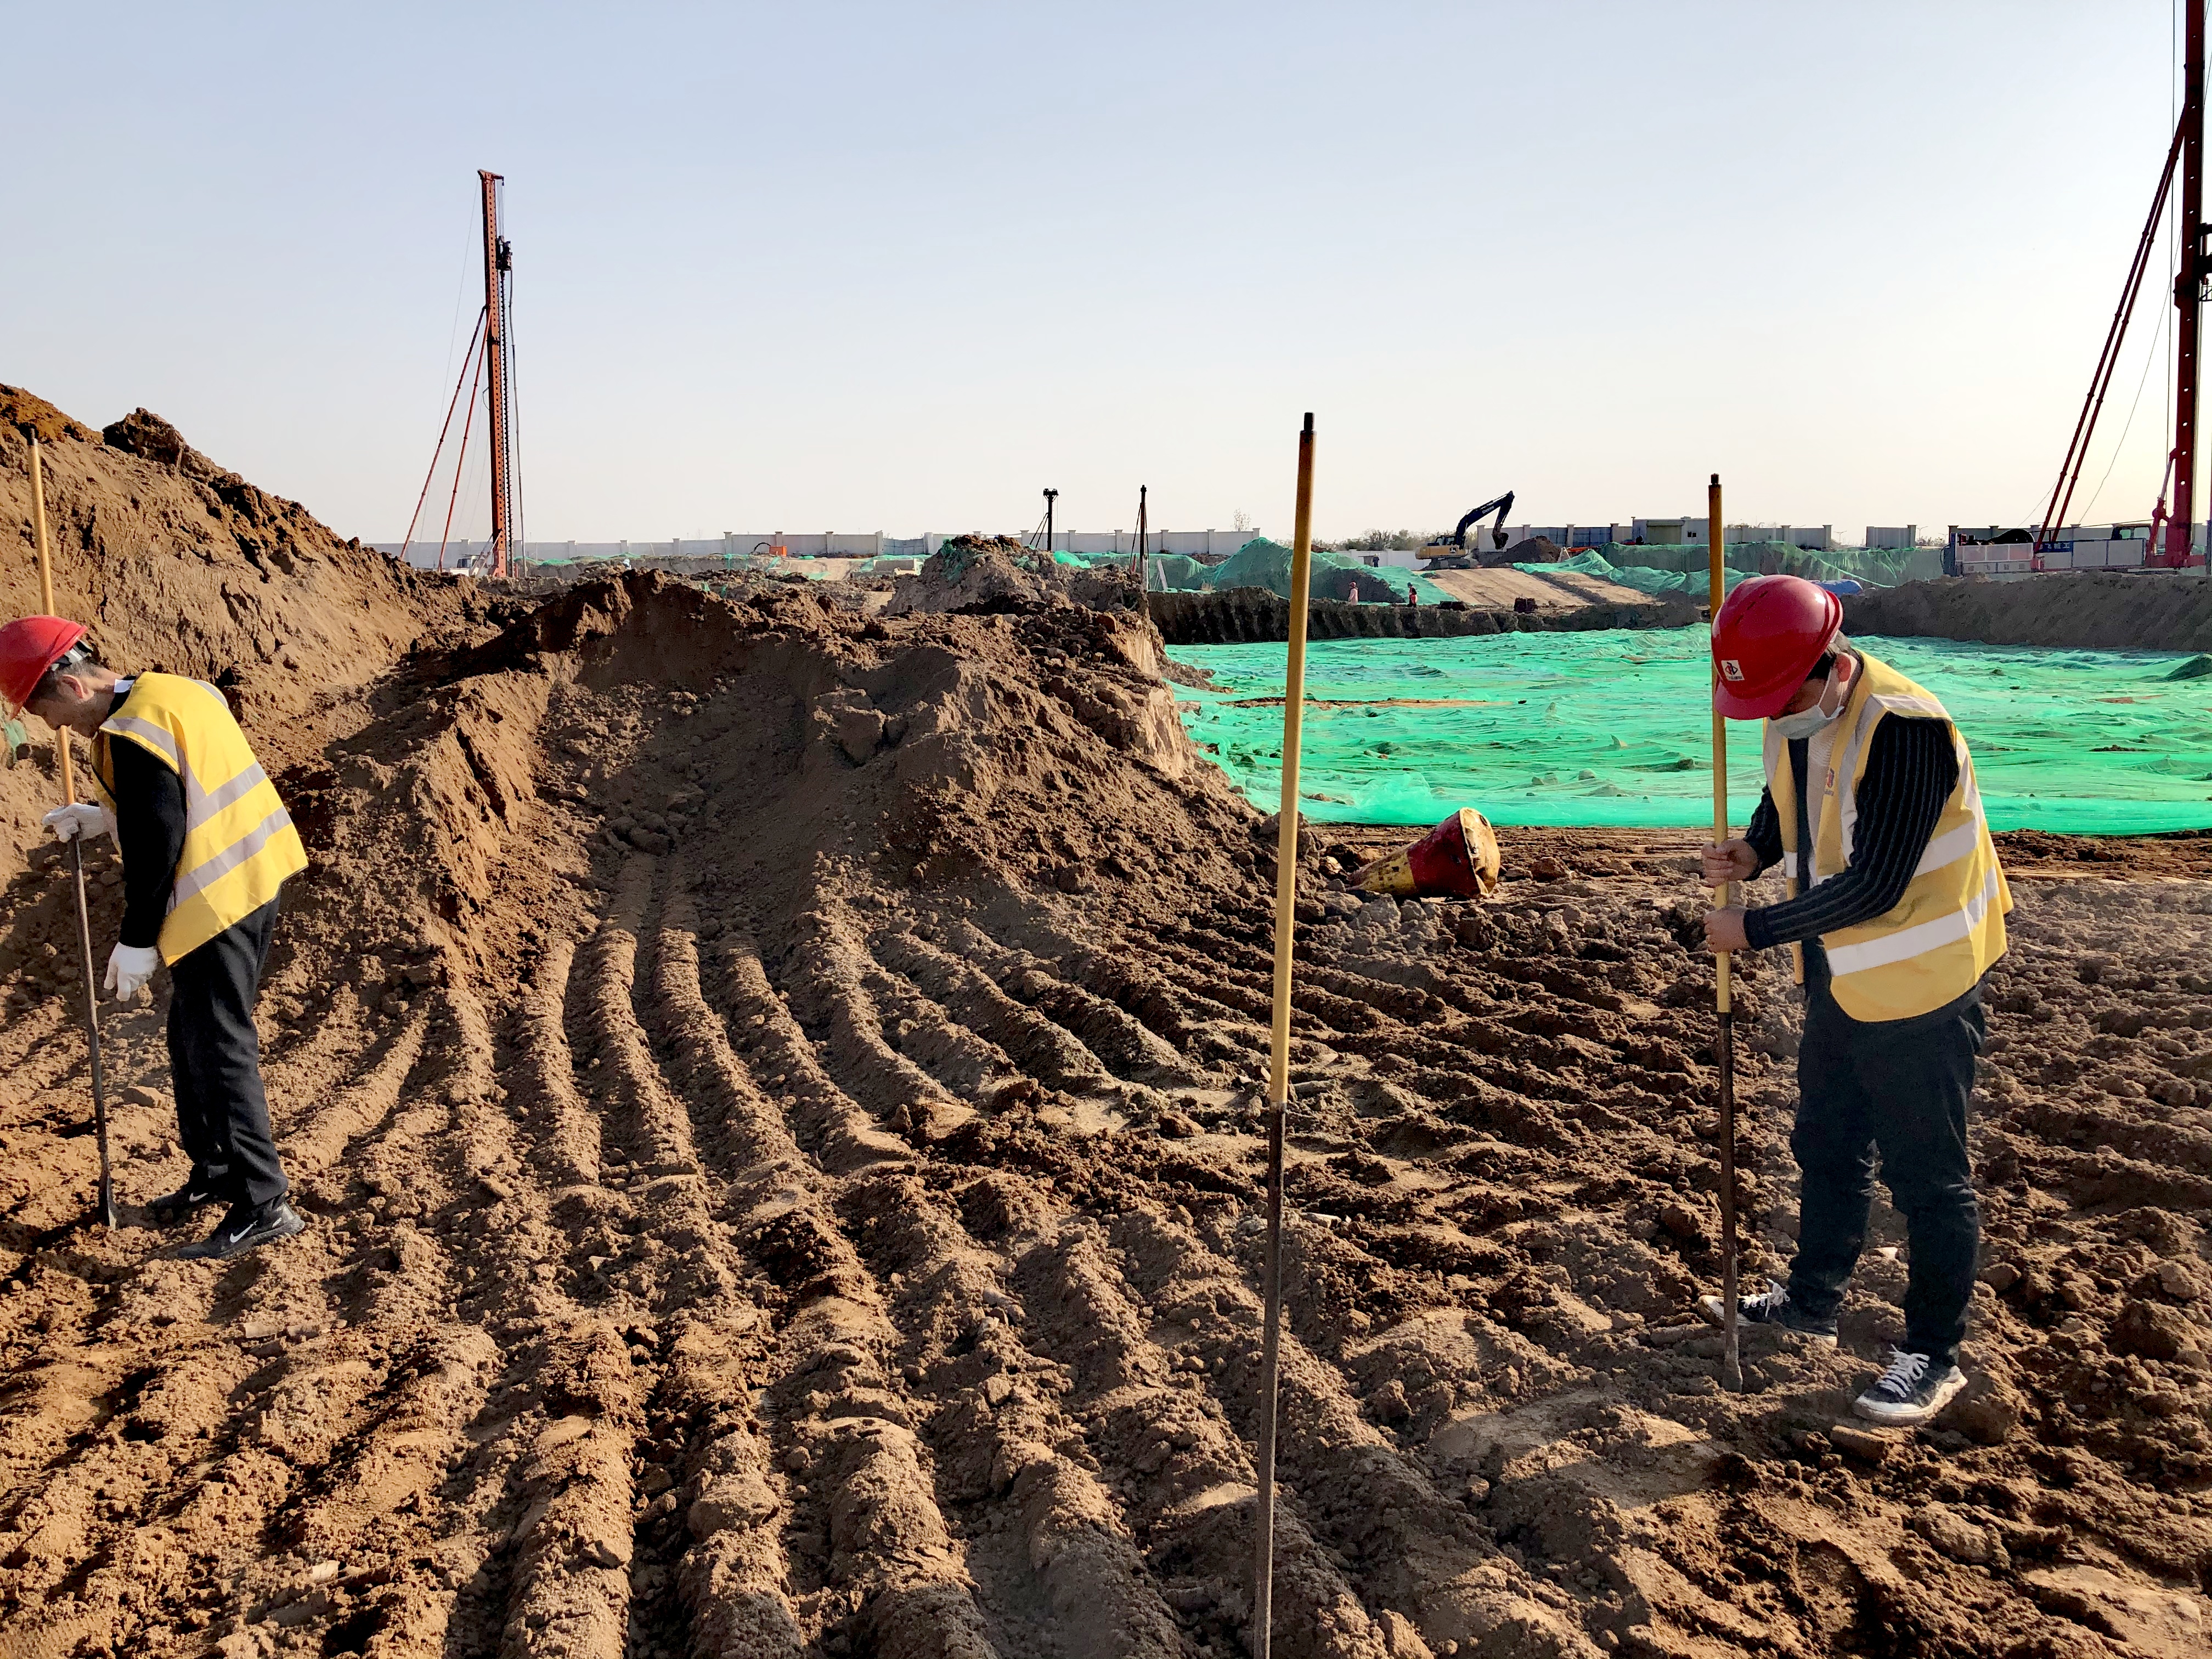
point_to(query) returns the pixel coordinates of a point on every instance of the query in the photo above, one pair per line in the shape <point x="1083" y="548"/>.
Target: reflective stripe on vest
<point x="1913" y="941"/>
<point x="1948" y="927"/>
<point x="239" y="843"/>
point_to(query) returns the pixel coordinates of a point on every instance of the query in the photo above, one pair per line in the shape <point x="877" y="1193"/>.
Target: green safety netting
<point x="1659" y="570"/>
<point x="1884" y="566"/>
<point x="1262" y="563"/>
<point x="1177" y="573"/>
<point x="1613" y="727"/>
<point x="1691" y="584"/>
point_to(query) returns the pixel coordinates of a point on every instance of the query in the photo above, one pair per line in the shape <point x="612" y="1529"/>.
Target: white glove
<point x="129" y="967"/>
<point x="79" y="818"/>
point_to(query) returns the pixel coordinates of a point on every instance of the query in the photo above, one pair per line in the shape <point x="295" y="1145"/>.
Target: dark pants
<point x="1900" y="1087"/>
<point x="215" y="1060"/>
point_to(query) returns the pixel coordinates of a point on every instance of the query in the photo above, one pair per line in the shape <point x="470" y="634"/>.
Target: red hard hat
<point x="27" y="649"/>
<point x="1768" y="634"/>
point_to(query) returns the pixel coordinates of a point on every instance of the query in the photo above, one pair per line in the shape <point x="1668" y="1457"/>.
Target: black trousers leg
<point x="200" y="1135"/>
<point x="1834" y="1143"/>
<point x="1920" y="1083"/>
<point x="215" y="1055"/>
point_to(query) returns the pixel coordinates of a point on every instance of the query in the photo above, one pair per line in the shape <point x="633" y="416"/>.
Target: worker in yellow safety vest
<point x="206" y="844"/>
<point x="1895" y="911"/>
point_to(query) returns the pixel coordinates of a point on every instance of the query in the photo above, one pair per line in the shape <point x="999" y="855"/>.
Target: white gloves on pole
<point x="79" y="818"/>
<point x="129" y="967"/>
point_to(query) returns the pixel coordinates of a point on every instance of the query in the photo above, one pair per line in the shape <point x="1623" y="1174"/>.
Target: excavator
<point x="1501" y="506"/>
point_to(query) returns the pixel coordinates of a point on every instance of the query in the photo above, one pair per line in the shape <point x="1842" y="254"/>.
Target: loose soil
<point x="773" y="1091"/>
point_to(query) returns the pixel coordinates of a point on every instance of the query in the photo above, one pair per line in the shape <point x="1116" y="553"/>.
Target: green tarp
<point x="1262" y="563"/>
<point x="1613" y="727"/>
<point x="1693" y="584"/>
<point x="1683" y="569"/>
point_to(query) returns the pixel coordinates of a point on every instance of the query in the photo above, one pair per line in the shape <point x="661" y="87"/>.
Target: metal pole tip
<point x="1309" y="426"/>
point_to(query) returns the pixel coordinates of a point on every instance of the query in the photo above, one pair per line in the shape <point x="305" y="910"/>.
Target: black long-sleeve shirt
<point x="1911" y="769"/>
<point x="149" y="833"/>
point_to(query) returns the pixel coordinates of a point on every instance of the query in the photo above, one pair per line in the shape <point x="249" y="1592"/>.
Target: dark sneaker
<point x="246" y="1226"/>
<point x="1773" y="1307"/>
<point x="203" y="1189"/>
<point x="1912" y="1390"/>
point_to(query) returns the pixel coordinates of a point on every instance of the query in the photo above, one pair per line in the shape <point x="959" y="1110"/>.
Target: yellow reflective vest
<point x="1941" y="938"/>
<point x="239" y="844"/>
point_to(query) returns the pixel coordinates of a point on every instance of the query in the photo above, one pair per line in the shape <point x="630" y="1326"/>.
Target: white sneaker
<point x="1910" y="1392"/>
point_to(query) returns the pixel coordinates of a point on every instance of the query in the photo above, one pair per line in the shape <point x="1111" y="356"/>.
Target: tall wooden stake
<point x="1278" y="1068"/>
<point x="1717" y="589"/>
<point x="68" y="779"/>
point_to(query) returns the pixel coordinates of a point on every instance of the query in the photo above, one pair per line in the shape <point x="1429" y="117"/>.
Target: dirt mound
<point x="996" y="575"/>
<point x="31" y="416"/>
<point x="773" y="1091"/>
<point x="176" y="564"/>
<point x="146" y="434"/>
<point x="2141" y="610"/>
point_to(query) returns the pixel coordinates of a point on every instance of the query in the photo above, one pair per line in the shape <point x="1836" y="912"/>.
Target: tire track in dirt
<point x="998" y="1430"/>
<point x="862" y="1515"/>
<point x="770" y="1047"/>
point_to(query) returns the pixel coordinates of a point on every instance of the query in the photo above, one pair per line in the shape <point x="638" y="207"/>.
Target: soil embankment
<point x="178" y="565"/>
<point x="1252" y="616"/>
<point x="774" y="1093"/>
<point x="2138" y="611"/>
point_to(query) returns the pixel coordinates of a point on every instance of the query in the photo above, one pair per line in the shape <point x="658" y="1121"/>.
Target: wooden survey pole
<point x="1279" y="1066"/>
<point x="1724" y="1001"/>
<point x="67" y="777"/>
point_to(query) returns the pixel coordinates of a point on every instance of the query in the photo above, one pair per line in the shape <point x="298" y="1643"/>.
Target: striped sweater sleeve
<point x="1911" y="769"/>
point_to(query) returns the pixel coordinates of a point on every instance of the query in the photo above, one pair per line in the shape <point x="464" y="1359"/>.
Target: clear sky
<point x="865" y="266"/>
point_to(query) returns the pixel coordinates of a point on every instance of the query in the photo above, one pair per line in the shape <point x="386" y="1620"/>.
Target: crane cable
<point x="519" y="536"/>
<point x="461" y="460"/>
<point x="429" y="477"/>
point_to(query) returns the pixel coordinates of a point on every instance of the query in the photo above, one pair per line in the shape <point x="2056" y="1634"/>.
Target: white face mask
<point x="1809" y="722"/>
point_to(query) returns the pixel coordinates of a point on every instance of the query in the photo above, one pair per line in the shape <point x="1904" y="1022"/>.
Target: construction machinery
<point x="1501" y="506"/>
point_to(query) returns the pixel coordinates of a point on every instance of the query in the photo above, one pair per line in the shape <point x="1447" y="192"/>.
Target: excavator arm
<point x="1501" y="506"/>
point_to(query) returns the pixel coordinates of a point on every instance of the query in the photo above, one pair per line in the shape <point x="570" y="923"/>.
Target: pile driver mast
<point x="499" y="262"/>
<point x="2188" y="290"/>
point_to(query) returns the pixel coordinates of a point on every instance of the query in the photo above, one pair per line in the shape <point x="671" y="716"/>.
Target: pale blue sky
<point x="873" y="266"/>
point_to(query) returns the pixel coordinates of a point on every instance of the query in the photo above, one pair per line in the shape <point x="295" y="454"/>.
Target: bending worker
<point x="1895" y="911"/>
<point x="205" y="846"/>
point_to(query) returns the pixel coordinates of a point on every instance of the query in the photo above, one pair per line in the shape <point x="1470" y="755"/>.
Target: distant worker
<point x="206" y="844"/>
<point x="1902" y="916"/>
